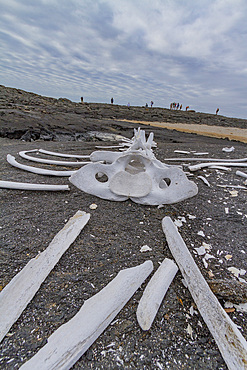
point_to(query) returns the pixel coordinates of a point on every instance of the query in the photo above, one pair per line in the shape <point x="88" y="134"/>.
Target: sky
<point x="193" y="52"/>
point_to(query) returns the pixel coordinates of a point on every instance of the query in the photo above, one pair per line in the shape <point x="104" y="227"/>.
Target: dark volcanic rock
<point x="23" y="115"/>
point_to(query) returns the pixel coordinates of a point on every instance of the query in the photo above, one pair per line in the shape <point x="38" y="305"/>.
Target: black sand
<point x="114" y="235"/>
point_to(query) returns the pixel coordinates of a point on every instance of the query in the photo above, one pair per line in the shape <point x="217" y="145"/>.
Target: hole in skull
<point x="135" y="166"/>
<point x="101" y="177"/>
<point x="164" y="183"/>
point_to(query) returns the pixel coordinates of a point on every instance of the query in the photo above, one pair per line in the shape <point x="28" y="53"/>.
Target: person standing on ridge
<point x="151" y="103"/>
<point x="217" y="110"/>
<point x="112" y="100"/>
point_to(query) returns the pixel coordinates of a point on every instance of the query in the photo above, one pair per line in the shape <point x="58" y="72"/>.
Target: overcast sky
<point x="189" y="51"/>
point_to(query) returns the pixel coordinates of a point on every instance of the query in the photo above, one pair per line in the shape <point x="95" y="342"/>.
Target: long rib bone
<point x="22" y="288"/>
<point x="230" y="341"/>
<point x="48" y="161"/>
<point x="67" y="344"/>
<point x="27" y="186"/>
<point x="40" y="171"/>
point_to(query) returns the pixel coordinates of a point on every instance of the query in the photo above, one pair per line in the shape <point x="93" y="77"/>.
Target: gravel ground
<point x="111" y="241"/>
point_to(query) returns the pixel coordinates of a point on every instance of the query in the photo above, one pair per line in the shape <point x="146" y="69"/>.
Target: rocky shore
<point x="115" y="233"/>
<point x="28" y="116"/>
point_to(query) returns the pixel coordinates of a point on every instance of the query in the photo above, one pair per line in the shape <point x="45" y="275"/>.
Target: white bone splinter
<point x="40" y="171"/>
<point x="68" y="343"/>
<point x="135" y="174"/>
<point x="22" y="288"/>
<point x="27" y="186"/>
<point x="230" y="341"/>
<point x="154" y="293"/>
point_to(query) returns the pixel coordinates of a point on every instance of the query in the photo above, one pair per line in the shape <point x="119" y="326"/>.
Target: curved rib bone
<point x="27" y="186"/>
<point x="206" y="159"/>
<point x="40" y="171"/>
<point x="62" y="155"/>
<point x="229" y="164"/>
<point x="49" y="161"/>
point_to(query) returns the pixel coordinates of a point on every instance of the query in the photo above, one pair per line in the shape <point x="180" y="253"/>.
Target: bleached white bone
<point x="62" y="154"/>
<point x="137" y="185"/>
<point x="27" y="186"/>
<point x="22" y="288"/>
<point x="242" y="174"/>
<point x="155" y="292"/>
<point x="67" y="344"/>
<point x="48" y="161"/>
<point x="230" y="341"/>
<point x="40" y="171"/>
<point x="206" y="159"/>
<point x="197" y="167"/>
<point x="180" y="187"/>
<point x="104" y="155"/>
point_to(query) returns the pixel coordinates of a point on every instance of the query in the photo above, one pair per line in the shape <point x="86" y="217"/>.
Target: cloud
<point x="167" y="50"/>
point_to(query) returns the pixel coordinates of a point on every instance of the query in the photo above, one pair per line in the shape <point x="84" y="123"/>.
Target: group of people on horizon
<point x="176" y="106"/>
<point x="173" y="106"/>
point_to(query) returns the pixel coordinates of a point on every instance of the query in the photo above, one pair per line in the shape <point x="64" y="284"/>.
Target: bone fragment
<point x="67" y="344"/>
<point x="154" y="293"/>
<point x="230" y="341"/>
<point x="242" y="174"/>
<point x="27" y="186"/>
<point x="22" y="288"/>
<point x="49" y="161"/>
<point x="62" y="154"/>
<point x="197" y="167"/>
<point x="204" y="180"/>
<point x="40" y="171"/>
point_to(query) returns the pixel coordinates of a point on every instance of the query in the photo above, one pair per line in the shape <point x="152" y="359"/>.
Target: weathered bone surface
<point x="154" y="293"/>
<point x="230" y="341"/>
<point x="67" y="344"/>
<point x="206" y="159"/>
<point x="242" y="174"/>
<point x="40" y="171"/>
<point x="135" y="174"/>
<point x="197" y="167"/>
<point x="27" y="186"/>
<point x="22" y="288"/>
<point x="49" y="161"/>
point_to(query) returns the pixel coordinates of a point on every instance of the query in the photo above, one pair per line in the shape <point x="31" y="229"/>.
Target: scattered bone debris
<point x="139" y="159"/>
<point x="145" y="248"/>
<point x="26" y="283"/>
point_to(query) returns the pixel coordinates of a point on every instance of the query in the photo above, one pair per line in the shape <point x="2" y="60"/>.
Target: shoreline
<point x="233" y="133"/>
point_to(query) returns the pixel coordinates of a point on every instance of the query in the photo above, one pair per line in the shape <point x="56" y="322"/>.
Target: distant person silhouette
<point x="217" y="110"/>
<point x="151" y="103"/>
<point x="112" y="100"/>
